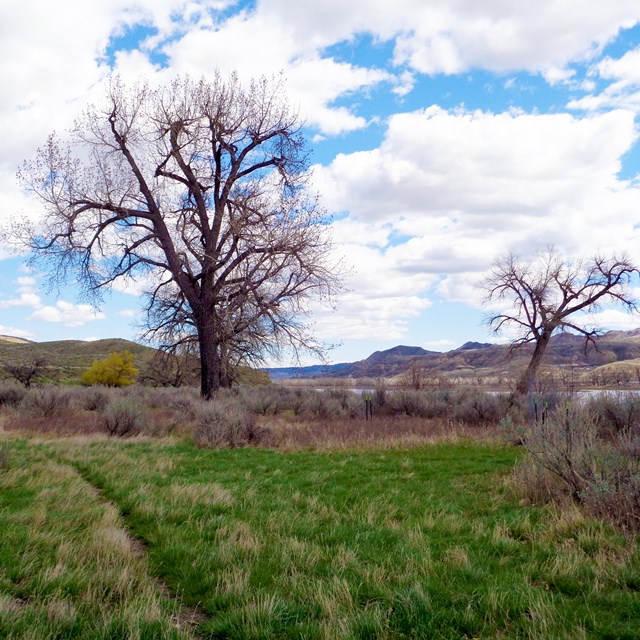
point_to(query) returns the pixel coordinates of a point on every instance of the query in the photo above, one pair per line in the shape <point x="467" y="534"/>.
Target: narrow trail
<point x="186" y="619"/>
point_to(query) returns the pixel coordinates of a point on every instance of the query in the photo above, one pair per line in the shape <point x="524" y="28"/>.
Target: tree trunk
<point x="212" y="375"/>
<point x="524" y="384"/>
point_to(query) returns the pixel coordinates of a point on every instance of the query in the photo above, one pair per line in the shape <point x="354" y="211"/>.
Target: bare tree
<point x="415" y="376"/>
<point x="174" y="368"/>
<point x="548" y="295"/>
<point x="199" y="187"/>
<point x="26" y="372"/>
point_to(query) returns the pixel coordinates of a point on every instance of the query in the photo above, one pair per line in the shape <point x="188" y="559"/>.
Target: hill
<point x="67" y="359"/>
<point x="14" y="340"/>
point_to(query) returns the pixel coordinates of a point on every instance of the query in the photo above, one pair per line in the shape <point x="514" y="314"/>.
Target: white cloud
<point x="270" y="44"/>
<point x="624" y="89"/>
<point x="465" y="186"/>
<point x="457" y="35"/>
<point x="26" y="282"/>
<point x="360" y="317"/>
<point x="67" y="313"/>
<point x="440" y="345"/>
<point x="448" y="192"/>
<point x="25" y="299"/>
<point x="15" y="332"/>
<point x="381" y="297"/>
<point x="610" y="319"/>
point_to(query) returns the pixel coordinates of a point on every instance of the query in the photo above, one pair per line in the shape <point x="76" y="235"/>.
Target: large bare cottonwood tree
<point x="200" y="189"/>
<point x="551" y="293"/>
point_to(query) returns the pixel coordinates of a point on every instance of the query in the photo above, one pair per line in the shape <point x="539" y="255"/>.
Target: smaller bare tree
<point x="548" y="294"/>
<point x="415" y="377"/>
<point x="26" y="372"/>
<point x="174" y="369"/>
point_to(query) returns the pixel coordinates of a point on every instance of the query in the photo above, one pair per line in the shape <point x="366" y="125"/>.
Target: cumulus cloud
<point x="542" y="37"/>
<point x="444" y="193"/>
<point x="15" y="332"/>
<point x="25" y="299"/>
<point x="447" y="192"/>
<point x="463" y="186"/>
<point x="25" y="283"/>
<point x="609" y="319"/>
<point x="270" y="45"/>
<point x="623" y="88"/>
<point x="67" y="313"/>
<point x="361" y="317"/>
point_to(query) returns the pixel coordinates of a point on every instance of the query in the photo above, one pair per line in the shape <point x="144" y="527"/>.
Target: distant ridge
<point x="475" y="345"/>
<point x="482" y="359"/>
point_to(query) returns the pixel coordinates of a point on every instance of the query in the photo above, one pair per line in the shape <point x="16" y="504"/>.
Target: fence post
<point x="368" y="406"/>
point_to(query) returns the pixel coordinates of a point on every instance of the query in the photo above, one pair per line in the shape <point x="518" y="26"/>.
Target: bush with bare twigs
<point x="225" y="423"/>
<point x="45" y="402"/>
<point x="617" y="411"/>
<point x="569" y="455"/>
<point x="11" y="394"/>
<point x="124" y="417"/>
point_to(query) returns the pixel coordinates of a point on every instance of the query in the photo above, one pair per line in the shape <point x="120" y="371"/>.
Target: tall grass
<point x="427" y="542"/>
<point x="67" y="565"/>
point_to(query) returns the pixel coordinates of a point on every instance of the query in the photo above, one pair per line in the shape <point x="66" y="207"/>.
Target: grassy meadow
<point x="156" y="538"/>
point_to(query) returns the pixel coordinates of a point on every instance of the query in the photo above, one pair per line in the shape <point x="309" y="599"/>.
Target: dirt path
<point x="185" y="619"/>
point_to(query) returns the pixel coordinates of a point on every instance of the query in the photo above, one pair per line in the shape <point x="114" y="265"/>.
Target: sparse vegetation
<point x="226" y="423"/>
<point x="11" y="394"/>
<point x="45" y="402"/>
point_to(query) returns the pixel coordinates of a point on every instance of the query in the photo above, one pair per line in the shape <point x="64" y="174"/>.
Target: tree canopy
<point x="551" y="293"/>
<point x="116" y="370"/>
<point x="200" y="190"/>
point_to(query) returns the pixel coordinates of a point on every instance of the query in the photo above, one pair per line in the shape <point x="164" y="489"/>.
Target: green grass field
<point x="156" y="539"/>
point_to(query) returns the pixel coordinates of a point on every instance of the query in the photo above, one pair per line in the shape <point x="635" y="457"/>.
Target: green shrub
<point x="563" y="442"/>
<point x="613" y="492"/>
<point x="601" y="475"/>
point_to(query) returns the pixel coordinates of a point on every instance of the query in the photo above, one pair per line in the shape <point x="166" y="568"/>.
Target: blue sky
<point x="444" y="133"/>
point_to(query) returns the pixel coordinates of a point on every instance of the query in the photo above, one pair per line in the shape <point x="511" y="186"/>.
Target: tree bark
<point x="210" y="361"/>
<point x="524" y="384"/>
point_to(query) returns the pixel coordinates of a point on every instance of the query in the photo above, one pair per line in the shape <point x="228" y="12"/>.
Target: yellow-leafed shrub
<point x="117" y="370"/>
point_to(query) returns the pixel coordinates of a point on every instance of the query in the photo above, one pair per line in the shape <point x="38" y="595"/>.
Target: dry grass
<point x="75" y="571"/>
<point x="291" y="434"/>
